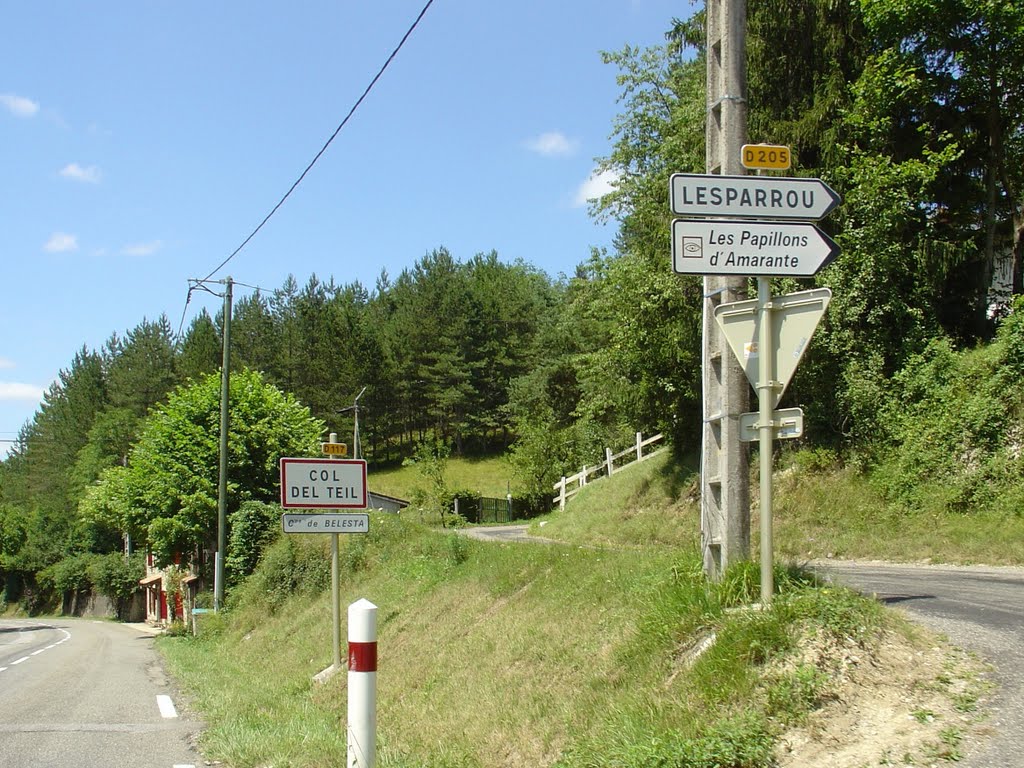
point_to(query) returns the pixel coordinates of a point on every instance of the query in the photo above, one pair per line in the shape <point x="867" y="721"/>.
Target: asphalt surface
<point x="81" y="693"/>
<point x="979" y="609"/>
<point x="501" y="534"/>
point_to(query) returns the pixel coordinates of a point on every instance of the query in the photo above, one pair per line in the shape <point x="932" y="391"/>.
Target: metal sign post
<point x="326" y="484"/>
<point x="330" y="449"/>
<point x="765" y="399"/>
<point x="768" y="335"/>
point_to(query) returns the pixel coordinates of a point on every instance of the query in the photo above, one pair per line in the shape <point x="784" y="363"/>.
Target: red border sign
<point x="323" y="484"/>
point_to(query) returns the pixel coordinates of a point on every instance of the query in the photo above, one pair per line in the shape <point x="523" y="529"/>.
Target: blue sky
<point x="141" y="142"/>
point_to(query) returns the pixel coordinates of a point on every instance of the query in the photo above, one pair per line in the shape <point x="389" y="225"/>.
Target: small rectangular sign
<point x="326" y="522"/>
<point x="323" y="484"/>
<point x="787" y="423"/>
<point x="334" y="449"/>
<point x="766" y="156"/>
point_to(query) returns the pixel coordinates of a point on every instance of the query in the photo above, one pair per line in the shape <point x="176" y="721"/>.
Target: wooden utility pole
<point x="725" y="479"/>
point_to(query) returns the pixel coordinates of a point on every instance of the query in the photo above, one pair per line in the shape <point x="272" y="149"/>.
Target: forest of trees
<point x="912" y="109"/>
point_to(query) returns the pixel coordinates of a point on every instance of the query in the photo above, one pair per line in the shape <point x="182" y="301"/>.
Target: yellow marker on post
<point x="334" y="449"/>
<point x="771" y="157"/>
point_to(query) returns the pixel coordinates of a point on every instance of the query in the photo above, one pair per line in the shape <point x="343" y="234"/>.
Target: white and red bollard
<point x="362" y="684"/>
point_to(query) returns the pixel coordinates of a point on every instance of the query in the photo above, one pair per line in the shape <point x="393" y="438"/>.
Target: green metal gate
<point x="495" y="510"/>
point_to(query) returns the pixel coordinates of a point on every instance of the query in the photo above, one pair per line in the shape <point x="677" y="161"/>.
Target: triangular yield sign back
<point x="795" y="317"/>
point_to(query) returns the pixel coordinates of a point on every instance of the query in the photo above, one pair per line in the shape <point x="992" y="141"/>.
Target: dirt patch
<point x="901" y="702"/>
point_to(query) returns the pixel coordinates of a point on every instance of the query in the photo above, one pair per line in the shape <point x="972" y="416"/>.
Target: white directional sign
<point x="326" y="522"/>
<point x="709" y="247"/>
<point x="759" y="197"/>
<point x="323" y="484"/>
<point x="795" y="317"/>
<point x="787" y="423"/>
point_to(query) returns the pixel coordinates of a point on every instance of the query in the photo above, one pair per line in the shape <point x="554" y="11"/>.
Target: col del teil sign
<point x="323" y="484"/>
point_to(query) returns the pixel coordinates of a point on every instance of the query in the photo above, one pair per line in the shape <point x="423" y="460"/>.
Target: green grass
<point x="488" y="476"/>
<point x="651" y="503"/>
<point x="577" y="654"/>
<point x="501" y="655"/>
<point x="820" y="511"/>
<point x="509" y="655"/>
<point x="840" y="513"/>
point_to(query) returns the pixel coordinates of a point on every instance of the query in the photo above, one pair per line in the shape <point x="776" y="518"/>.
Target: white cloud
<point x="14" y="390"/>
<point x="596" y="186"/>
<point x="142" y="249"/>
<point x="76" y="172"/>
<point x="552" y="144"/>
<point x="6" y="364"/>
<point x="18" y="106"/>
<point x="61" y="242"/>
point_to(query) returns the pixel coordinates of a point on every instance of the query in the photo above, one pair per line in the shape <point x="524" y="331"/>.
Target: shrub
<point x="253" y="526"/>
<point x="469" y="505"/>
<point x="292" y="564"/>
<point x="68" y="575"/>
<point x="115" y="576"/>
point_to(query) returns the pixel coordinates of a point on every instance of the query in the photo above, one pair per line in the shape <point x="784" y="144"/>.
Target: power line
<point x="188" y="299"/>
<point x="323" y="149"/>
<point x="254" y="287"/>
<point x="198" y="285"/>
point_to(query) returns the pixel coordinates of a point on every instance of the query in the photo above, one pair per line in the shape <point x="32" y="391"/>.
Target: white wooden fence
<point x="607" y="467"/>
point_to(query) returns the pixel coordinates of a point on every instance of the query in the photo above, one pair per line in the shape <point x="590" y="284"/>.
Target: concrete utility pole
<point x="222" y="484"/>
<point x="725" y="480"/>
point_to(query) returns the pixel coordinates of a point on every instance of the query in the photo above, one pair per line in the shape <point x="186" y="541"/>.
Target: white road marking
<point x="166" y="706"/>
<point x="23" y="638"/>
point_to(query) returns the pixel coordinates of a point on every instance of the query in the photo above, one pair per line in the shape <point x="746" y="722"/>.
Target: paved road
<point x="82" y="693"/>
<point x="980" y="609"/>
<point x="501" y="533"/>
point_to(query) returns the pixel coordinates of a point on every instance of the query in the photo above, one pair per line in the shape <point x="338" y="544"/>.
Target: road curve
<point x="87" y="693"/>
<point x="980" y="609"/>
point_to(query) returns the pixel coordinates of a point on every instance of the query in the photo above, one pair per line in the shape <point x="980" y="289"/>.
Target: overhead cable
<point x="323" y="149"/>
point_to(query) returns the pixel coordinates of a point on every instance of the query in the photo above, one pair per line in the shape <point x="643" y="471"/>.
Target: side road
<point x="503" y="534"/>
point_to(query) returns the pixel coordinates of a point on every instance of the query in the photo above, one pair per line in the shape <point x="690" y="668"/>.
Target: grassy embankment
<point x="491" y="476"/>
<point x="562" y="654"/>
